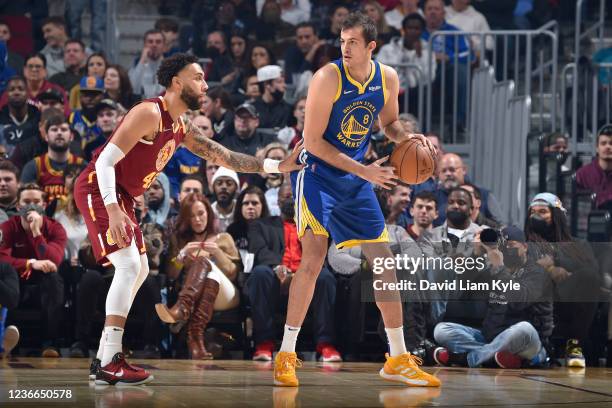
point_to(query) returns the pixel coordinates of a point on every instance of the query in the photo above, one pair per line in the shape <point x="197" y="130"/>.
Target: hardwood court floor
<point x="184" y="383"/>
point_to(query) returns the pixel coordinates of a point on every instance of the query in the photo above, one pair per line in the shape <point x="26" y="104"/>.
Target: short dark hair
<point x="7" y="165"/>
<point x="192" y="177"/>
<point x="425" y="196"/>
<point x="55" y="20"/>
<point x="49" y="113"/>
<point x="415" y="17"/>
<point x="167" y="24"/>
<point x="150" y="32"/>
<point x="16" y="78"/>
<point x="39" y="56"/>
<point x="75" y="41"/>
<point x="606" y="130"/>
<point x="306" y="24"/>
<point x="170" y="67"/>
<point x="30" y="186"/>
<point x="461" y="190"/>
<point x="218" y="92"/>
<point x="56" y="119"/>
<point x="358" y="19"/>
<point x="477" y="192"/>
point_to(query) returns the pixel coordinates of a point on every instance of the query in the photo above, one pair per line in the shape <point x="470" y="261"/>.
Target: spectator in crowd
<point x="6" y="72"/>
<point x="376" y="12"/>
<point x="117" y="86"/>
<point x="34" y="245"/>
<point x="35" y="73"/>
<point x="397" y="201"/>
<point x="50" y="98"/>
<point x="226" y="187"/>
<point x="210" y="262"/>
<point x="331" y="33"/>
<point x="395" y="17"/>
<point x="409" y="122"/>
<point x="97" y="28"/>
<point x="169" y="27"/>
<point x="461" y="14"/>
<point x="477" y="216"/>
<point x="143" y="74"/>
<point x="96" y="66"/>
<point x="221" y="64"/>
<point x="15" y="60"/>
<point x="107" y="114"/>
<point x="9" y="174"/>
<point x="250" y="205"/>
<point x="245" y="137"/>
<point x="259" y="56"/>
<point x="435" y="140"/>
<point x="299" y="56"/>
<point x="410" y="49"/>
<point x="232" y="17"/>
<point x="273" y="111"/>
<point x="54" y="31"/>
<point x="190" y="184"/>
<point x="251" y="89"/>
<point x="271" y="29"/>
<point x="238" y="55"/>
<point x="272" y="182"/>
<point x="292" y="12"/>
<point x="47" y="170"/>
<point x="451" y="174"/>
<point x="518" y="322"/>
<point x="9" y="299"/>
<point x="423" y="210"/>
<point x="278" y="253"/>
<point x="157" y="198"/>
<point x="184" y="163"/>
<point x="597" y="176"/>
<point x="210" y="170"/>
<point x="324" y="54"/>
<point x="291" y="135"/>
<point x="218" y="107"/>
<point x="83" y="121"/>
<point x="74" y="65"/>
<point x="19" y="119"/>
<point x="572" y="266"/>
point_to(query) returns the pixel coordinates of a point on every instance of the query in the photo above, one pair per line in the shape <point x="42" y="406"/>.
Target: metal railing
<point x="111" y="46"/>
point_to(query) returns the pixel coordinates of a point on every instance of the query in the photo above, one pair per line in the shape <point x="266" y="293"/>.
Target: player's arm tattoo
<point x="213" y="152"/>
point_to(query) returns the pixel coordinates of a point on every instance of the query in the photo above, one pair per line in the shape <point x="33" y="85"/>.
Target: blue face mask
<point x="23" y="211"/>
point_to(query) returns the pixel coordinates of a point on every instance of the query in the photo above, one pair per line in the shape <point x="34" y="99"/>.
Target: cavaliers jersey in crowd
<point x="51" y="180"/>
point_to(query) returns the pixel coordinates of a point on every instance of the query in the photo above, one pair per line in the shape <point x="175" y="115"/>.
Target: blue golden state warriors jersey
<point x="356" y="107"/>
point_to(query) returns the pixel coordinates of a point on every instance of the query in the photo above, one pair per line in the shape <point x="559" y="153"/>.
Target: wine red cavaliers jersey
<point x="133" y="174"/>
<point x="51" y="180"/>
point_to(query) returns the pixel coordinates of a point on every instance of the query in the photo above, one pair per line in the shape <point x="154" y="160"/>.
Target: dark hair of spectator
<point x="606" y="130"/>
<point x="306" y="24"/>
<point x="7" y="165"/>
<point x="55" y="20"/>
<point x="251" y="70"/>
<point x="39" y="56"/>
<point x="49" y="113"/>
<point x="69" y="205"/>
<point x="75" y="41"/>
<point x="16" y="78"/>
<point x="561" y="231"/>
<point x="167" y="24"/>
<point x="551" y="139"/>
<point x="222" y="34"/>
<point x="219" y="93"/>
<point x="151" y="32"/>
<point x="192" y="177"/>
<point x="463" y="190"/>
<point x="55" y="120"/>
<point x="99" y="55"/>
<point x="241" y="59"/>
<point x="265" y="212"/>
<point x="357" y="19"/>
<point x="30" y="186"/>
<point x="335" y="8"/>
<point x="416" y="17"/>
<point x="125" y="86"/>
<point x="171" y="66"/>
<point x="183" y="221"/>
<point x="324" y="55"/>
<point x="477" y="192"/>
<point x="425" y="196"/>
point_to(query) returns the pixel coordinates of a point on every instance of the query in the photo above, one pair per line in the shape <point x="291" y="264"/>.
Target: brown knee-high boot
<point x="202" y="313"/>
<point x="189" y="294"/>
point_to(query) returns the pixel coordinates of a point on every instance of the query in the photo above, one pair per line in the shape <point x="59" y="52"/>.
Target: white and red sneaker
<point x="505" y="359"/>
<point x="328" y="353"/>
<point x="263" y="351"/>
<point x="118" y="372"/>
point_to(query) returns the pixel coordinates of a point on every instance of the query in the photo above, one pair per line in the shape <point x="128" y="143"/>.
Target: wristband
<point x="271" y="166"/>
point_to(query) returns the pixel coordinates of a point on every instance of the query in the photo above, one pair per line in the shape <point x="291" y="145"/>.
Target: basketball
<point x="414" y="161"/>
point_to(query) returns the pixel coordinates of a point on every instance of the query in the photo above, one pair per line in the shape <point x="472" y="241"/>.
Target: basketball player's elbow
<point x="312" y="145"/>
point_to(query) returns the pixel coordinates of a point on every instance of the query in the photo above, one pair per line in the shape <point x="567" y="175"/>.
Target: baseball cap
<point x="106" y="103"/>
<point x="512" y="233"/>
<point x="250" y="109"/>
<point x="51" y="94"/>
<point x="269" y="72"/>
<point x="548" y="199"/>
<point x="91" y="83"/>
<point x="225" y="172"/>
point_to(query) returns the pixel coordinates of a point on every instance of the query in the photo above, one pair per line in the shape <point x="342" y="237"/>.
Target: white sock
<point x="101" y="346"/>
<point x="289" y="339"/>
<point x="396" y="341"/>
<point x="112" y="345"/>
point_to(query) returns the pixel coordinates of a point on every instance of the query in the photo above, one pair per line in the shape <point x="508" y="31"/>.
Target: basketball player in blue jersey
<point x="334" y="193"/>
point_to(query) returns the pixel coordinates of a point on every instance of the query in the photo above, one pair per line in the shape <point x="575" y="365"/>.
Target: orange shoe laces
<point x="288" y="362"/>
<point x="410" y="359"/>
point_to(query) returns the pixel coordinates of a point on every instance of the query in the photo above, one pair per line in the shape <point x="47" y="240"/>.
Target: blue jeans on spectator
<point x="521" y="339"/>
<point x="98" y="21"/>
<point x="263" y="291"/>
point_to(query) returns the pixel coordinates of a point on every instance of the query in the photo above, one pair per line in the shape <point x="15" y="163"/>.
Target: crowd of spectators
<point x="219" y="241"/>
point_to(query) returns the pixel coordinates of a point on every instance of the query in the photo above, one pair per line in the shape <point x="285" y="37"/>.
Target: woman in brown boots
<point x="210" y="263"/>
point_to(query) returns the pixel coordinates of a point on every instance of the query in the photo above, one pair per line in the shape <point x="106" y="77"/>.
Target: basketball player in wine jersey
<point x="334" y="194"/>
<point x="124" y="168"/>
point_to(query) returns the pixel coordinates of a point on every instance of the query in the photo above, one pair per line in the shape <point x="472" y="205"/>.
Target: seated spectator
<point x="50" y="99"/>
<point x="397" y="201"/>
<point x="259" y="56"/>
<point x="299" y="56"/>
<point x="250" y="89"/>
<point x="74" y="65"/>
<point x="271" y="29"/>
<point x="324" y="54"/>
<point x="597" y="176"/>
<point x="375" y="11"/>
<point x="34" y="245"/>
<point x="404" y="8"/>
<point x="273" y="111"/>
<point x="54" y="31"/>
<point x="9" y="298"/>
<point x="19" y="119"/>
<point x="143" y="74"/>
<point x="169" y="27"/>
<point x="15" y="60"/>
<point x="9" y="174"/>
<point x="35" y="74"/>
<point x="518" y="322"/>
<point x="410" y="123"/>
<point x="226" y="187"/>
<point x="292" y="12"/>
<point x="221" y="63"/>
<point x="245" y="137"/>
<point x="106" y="121"/>
<point x="83" y="121"/>
<point x="95" y="66"/>
<point x="210" y="170"/>
<point x="157" y="198"/>
<point x="272" y="182"/>
<point x="278" y="253"/>
<point x="477" y="216"/>
<point x="462" y="15"/>
<point x="217" y="105"/>
<point x="331" y="33"/>
<point x="6" y="72"/>
<point x="117" y="86"/>
<point x="238" y="55"/>
<point x="47" y="170"/>
<point x="423" y="210"/>
<point x="210" y="263"/>
<point x="190" y="184"/>
<point x="232" y="17"/>
<point x="291" y="135"/>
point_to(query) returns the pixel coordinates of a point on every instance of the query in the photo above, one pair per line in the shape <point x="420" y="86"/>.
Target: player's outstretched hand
<point x="118" y="224"/>
<point x="291" y="163"/>
<point x="379" y="175"/>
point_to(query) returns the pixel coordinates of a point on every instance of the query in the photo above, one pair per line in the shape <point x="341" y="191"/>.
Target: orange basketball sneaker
<point x="405" y="369"/>
<point x="284" y="369"/>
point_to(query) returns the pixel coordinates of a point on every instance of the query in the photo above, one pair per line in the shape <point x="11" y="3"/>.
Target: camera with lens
<point x="493" y="238"/>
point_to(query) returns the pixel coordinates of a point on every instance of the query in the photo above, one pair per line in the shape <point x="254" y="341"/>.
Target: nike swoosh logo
<point x="117" y="374"/>
<point x="348" y="92"/>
